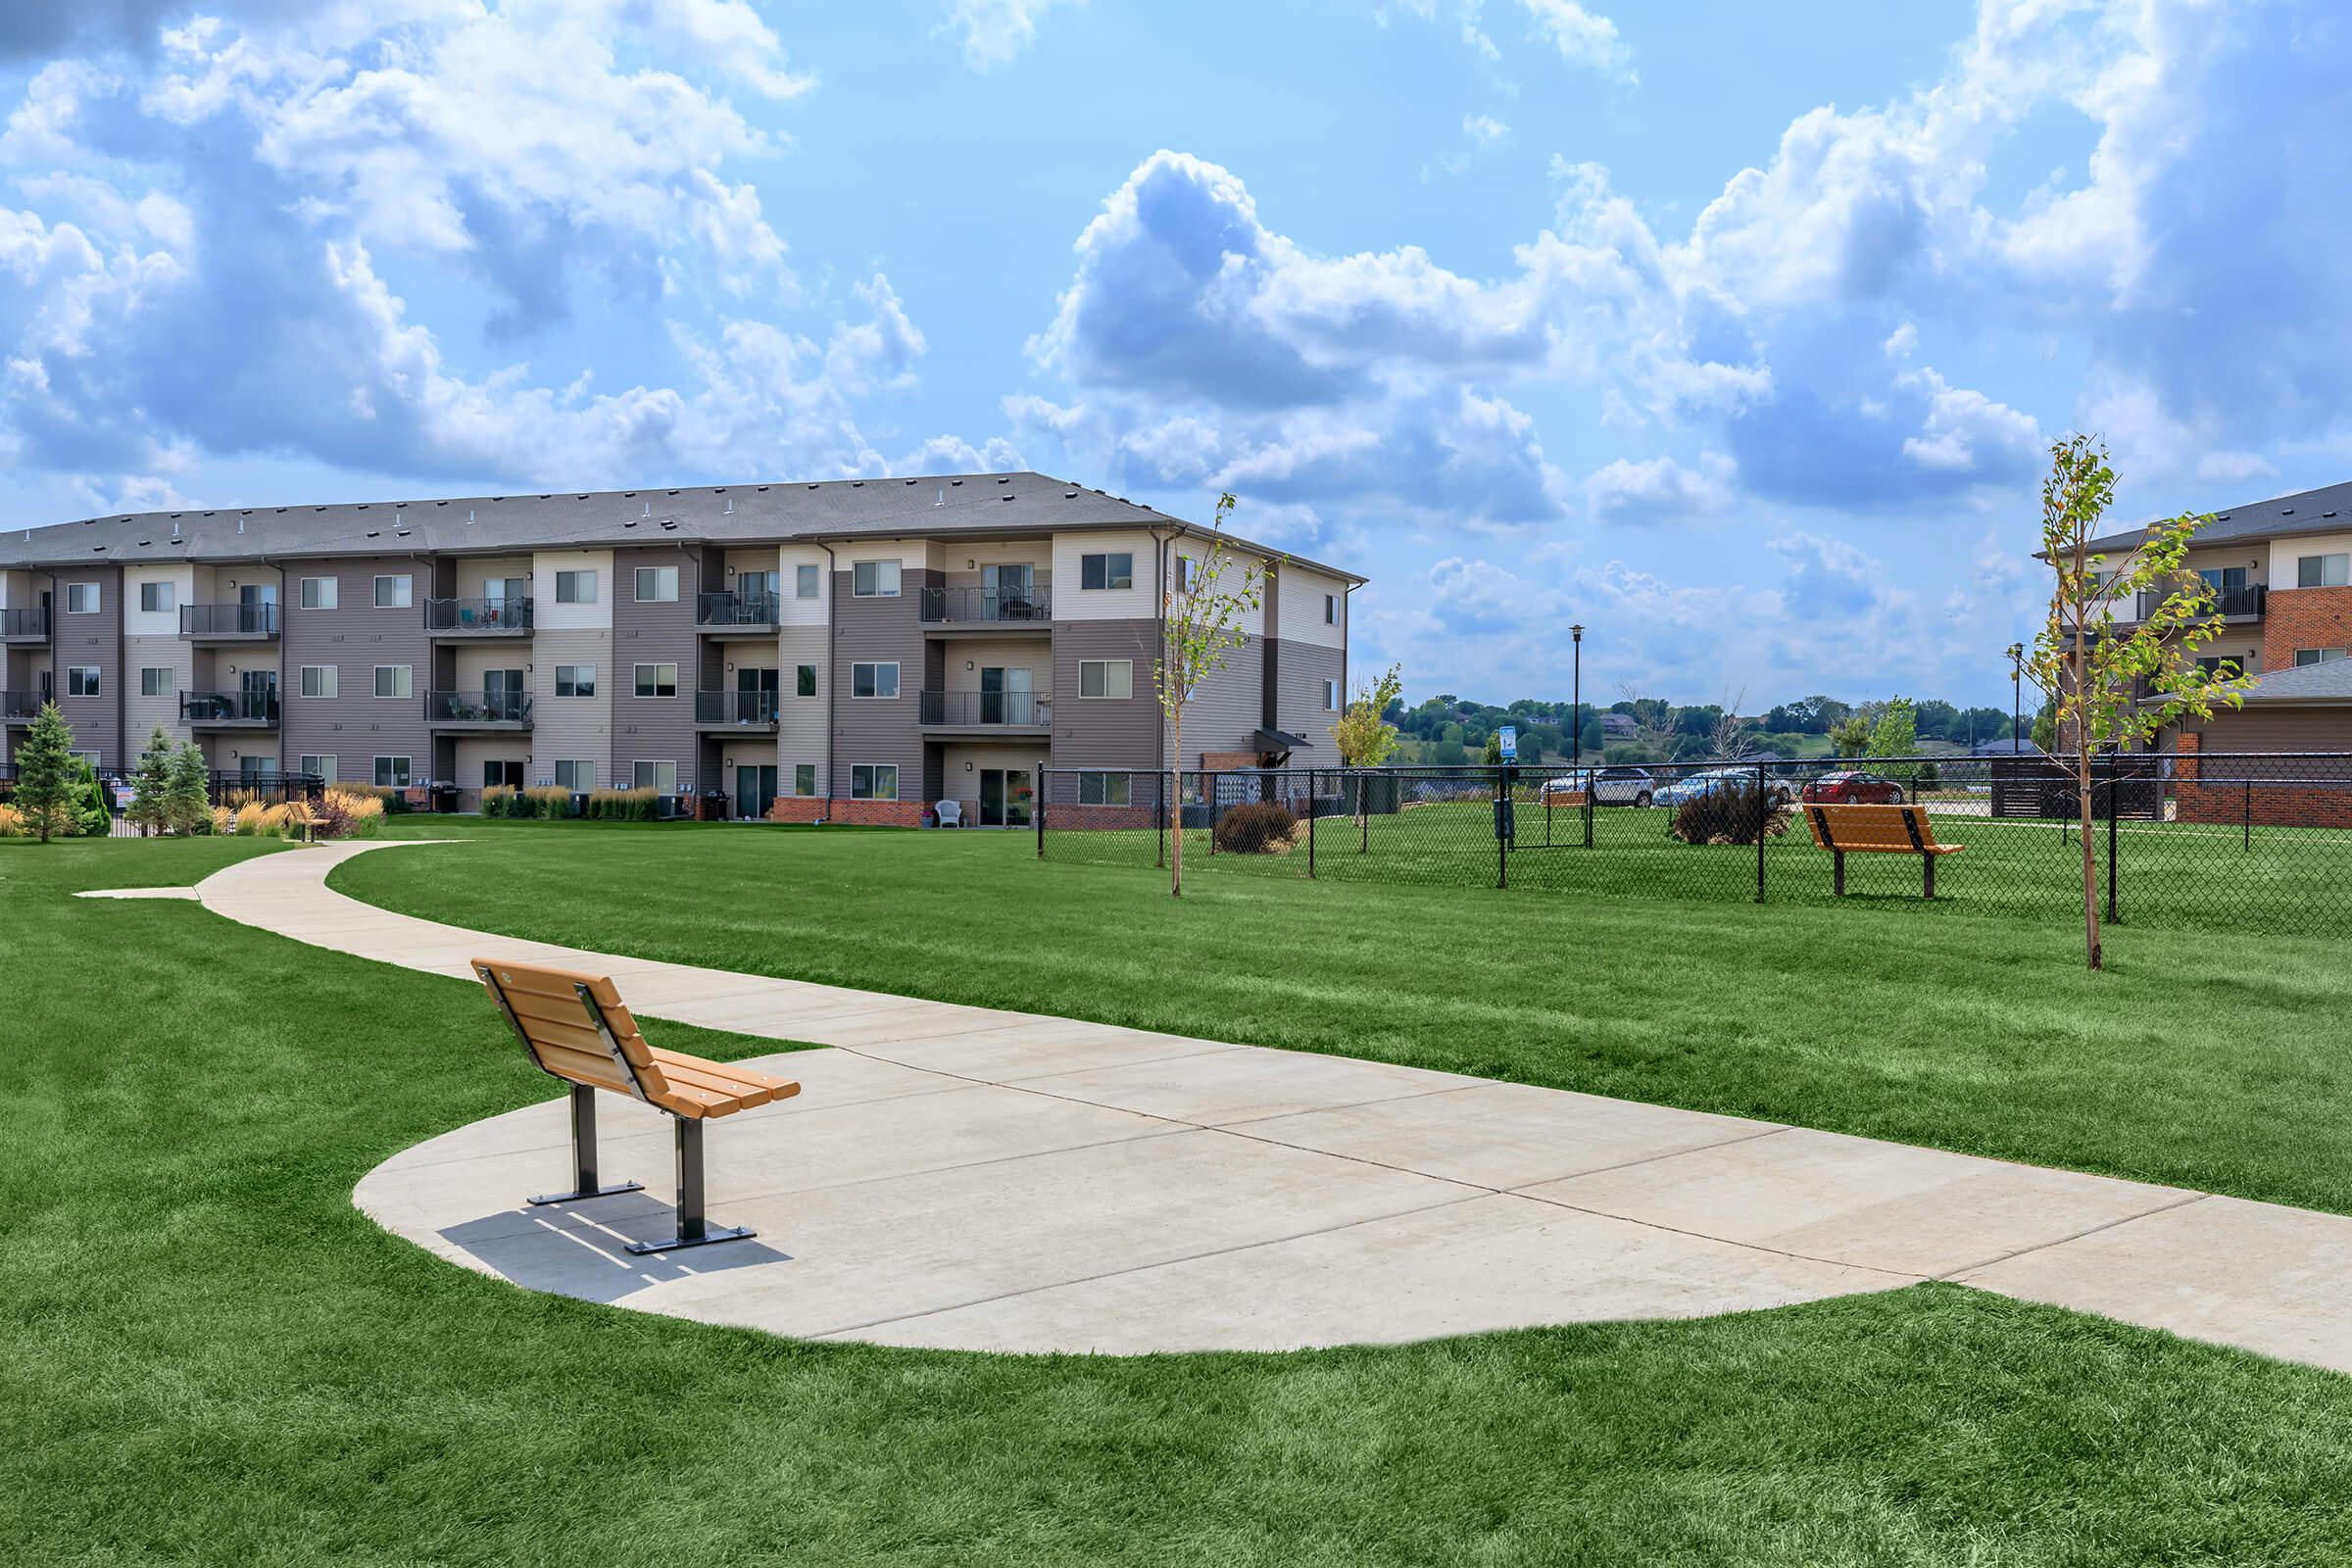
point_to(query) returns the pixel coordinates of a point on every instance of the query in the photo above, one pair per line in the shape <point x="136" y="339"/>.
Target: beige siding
<point x="796" y="610"/>
<point x="1074" y="603"/>
<point x="967" y="658"/>
<point x="1228" y="708"/>
<point x="142" y="714"/>
<point x="801" y="720"/>
<point x="2284" y="552"/>
<point x="473" y="751"/>
<point x="547" y="616"/>
<point x="475" y="573"/>
<point x="564" y="728"/>
<point x="1232" y="580"/>
<point x="475" y="660"/>
<point x="962" y="767"/>
<point x="1299" y="609"/>
<point x="137" y="622"/>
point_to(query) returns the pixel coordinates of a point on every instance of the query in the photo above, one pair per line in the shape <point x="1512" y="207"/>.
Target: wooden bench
<point x="1844" y="830"/>
<point x="1564" y="800"/>
<point x="576" y="1028"/>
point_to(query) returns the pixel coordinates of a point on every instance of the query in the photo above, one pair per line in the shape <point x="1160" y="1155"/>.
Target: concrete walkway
<point x="963" y="1177"/>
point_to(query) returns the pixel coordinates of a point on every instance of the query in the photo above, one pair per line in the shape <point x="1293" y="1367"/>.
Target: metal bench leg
<point x="1838" y="869"/>
<point x="693" y="1229"/>
<point x="583" y="1155"/>
<point x="1929" y="861"/>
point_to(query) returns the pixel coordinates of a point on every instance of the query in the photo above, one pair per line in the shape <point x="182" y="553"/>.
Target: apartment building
<point x="846" y="651"/>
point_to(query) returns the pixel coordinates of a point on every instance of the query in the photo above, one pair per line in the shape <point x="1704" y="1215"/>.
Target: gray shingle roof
<point x="2328" y="682"/>
<point x="927" y="504"/>
<point x="2327" y="510"/>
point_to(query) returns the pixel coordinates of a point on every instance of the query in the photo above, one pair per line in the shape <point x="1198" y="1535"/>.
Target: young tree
<point x="1850" y="736"/>
<point x="151" y="786"/>
<point x="189" y="803"/>
<point x="1204" y="604"/>
<point x="1365" y="739"/>
<point x="2109" y="686"/>
<point x="1729" y="736"/>
<point x="46" y="778"/>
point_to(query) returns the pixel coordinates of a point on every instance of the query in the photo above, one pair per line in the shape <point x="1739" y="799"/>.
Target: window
<point x="322" y="768"/>
<point x="1331" y="610"/>
<point x="575" y="680"/>
<point x="156" y="597"/>
<point x="392" y="593"/>
<point x="2318" y="656"/>
<point x="805" y="580"/>
<point x="659" y="778"/>
<point x="1331" y="697"/>
<point x="575" y="775"/>
<point x="804" y="778"/>
<point x="497" y="770"/>
<point x="1115" y="569"/>
<point x="1188" y="573"/>
<point x="575" y="587"/>
<point x="325" y="681"/>
<point x="154" y="682"/>
<point x="656" y="585"/>
<point x="874" y="680"/>
<point x="874" y="781"/>
<point x="656" y="680"/>
<point x="81" y="681"/>
<point x="81" y="599"/>
<point x="1105" y="789"/>
<point x="1106" y="677"/>
<point x="320" y="592"/>
<point x="874" y="579"/>
<point x="392" y="773"/>
<point x="2321" y="571"/>
<point x="2219" y="666"/>
<point x="393" y="680"/>
<point x="804" y="680"/>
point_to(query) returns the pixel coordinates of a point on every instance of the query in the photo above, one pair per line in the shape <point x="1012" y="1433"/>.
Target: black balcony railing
<point x="490" y="617"/>
<point x="2249" y="599"/>
<point x="1013" y="710"/>
<point x="734" y="609"/>
<point x="510" y="707"/>
<point x="228" y="620"/>
<point x="230" y="708"/>
<point x="956" y="607"/>
<point x="21" y="705"/>
<point x="750" y="710"/>
<point x="27" y="626"/>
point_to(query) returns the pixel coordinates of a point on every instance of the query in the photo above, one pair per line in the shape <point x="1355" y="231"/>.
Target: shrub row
<point x="551" y="802"/>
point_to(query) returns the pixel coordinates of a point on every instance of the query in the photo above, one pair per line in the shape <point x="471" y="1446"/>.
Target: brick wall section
<point x="864" y="813"/>
<point x="2230" y="803"/>
<point x="2304" y="617"/>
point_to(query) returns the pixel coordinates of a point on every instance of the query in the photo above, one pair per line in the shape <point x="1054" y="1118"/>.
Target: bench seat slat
<point x="742" y="1084"/>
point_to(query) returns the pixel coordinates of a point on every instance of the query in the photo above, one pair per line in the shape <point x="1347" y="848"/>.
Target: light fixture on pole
<point x="2016" y="690"/>
<point x="1576" y="700"/>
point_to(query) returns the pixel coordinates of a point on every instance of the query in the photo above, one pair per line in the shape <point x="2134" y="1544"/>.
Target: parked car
<point x="1692" y="786"/>
<point x="1852" y="786"/>
<point x="1610" y="786"/>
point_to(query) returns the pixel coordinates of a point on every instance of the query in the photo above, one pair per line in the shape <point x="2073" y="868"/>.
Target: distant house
<point x="2021" y="747"/>
<point x="1619" y="727"/>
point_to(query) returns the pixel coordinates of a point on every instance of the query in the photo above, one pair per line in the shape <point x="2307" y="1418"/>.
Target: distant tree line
<point x="1449" y="730"/>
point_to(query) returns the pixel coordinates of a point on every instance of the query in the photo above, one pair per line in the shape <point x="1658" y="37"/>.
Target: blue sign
<point x="1511" y="743"/>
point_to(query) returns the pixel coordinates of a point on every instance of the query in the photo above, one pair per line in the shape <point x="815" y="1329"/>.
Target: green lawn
<point x="207" y="1354"/>
<point x="2207" y="1060"/>
<point x="2175" y="875"/>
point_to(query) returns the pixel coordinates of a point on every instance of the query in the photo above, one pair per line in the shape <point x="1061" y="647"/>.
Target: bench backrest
<point x="575" y="1027"/>
<point x="1906" y="828"/>
<point x="1564" y="798"/>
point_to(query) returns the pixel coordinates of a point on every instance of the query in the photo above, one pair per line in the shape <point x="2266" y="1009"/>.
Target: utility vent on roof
<point x="404" y="532"/>
<point x="764" y="489"/>
<point x="468" y="517"/>
<point x="2326" y="514"/>
<point x="911" y="481"/>
<point x="673" y="492"/>
<point x="812" y="487"/>
<point x="730" y="506"/>
<point x="374" y="534"/>
<point x="97" y="547"/>
<point x="144" y="542"/>
<point x="1008" y="479"/>
<point x="581" y="497"/>
<point x="670" y="522"/>
<point x="856" y="484"/>
<point x="649" y="508"/>
<point x="1007" y="496"/>
<point x="1069" y="495"/>
<point x="440" y="503"/>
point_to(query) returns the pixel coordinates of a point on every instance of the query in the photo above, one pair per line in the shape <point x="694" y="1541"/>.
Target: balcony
<point x="237" y="709"/>
<point x="988" y="608"/>
<point x="21" y="707"/>
<point x="496" y="712"/>
<point x="478" y="618"/>
<point x="29" y="625"/>
<point x="989" y="711"/>
<point x="734" y="612"/>
<point x="724" y="710"/>
<point x="230" y="623"/>
<point x="2245" y="603"/>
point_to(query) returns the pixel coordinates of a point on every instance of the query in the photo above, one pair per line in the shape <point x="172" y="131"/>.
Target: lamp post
<point x="1576" y="703"/>
<point x="2017" y="707"/>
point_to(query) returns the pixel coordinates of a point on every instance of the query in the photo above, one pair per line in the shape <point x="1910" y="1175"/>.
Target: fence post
<point x="1502" y="858"/>
<point x="1311" y="824"/>
<point x="1160" y="812"/>
<point x="1045" y="792"/>
<point x="1763" y="813"/>
<point x="2113" y="811"/>
<point x="1208" y="798"/>
<point x="2249" y="783"/>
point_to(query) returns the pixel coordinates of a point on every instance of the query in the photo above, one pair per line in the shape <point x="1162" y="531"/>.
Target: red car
<point x="1852" y="787"/>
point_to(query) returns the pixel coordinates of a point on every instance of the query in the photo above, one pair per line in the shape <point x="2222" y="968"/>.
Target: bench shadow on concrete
<point x="583" y="1251"/>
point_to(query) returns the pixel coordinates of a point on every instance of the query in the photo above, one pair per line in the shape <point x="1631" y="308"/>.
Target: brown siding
<point x="2263" y="728"/>
<point x="1229" y="707"/>
<point x="1301" y="672"/>
<point x="1097" y="732"/>
<point x="653" y="728"/>
<point x="871" y="729"/>
<point x="81" y="641"/>
<point x="354" y="727"/>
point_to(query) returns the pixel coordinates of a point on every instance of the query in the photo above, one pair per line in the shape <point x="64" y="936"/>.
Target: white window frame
<point x="799" y="770"/>
<point x="583" y="773"/>
<point x="1113" y="581"/>
<point x="1098" y="782"/>
<point x="1331" y="610"/>
<point x="638" y="682"/>
<point x="404" y="682"/>
<point x="807" y="581"/>
<point x="153" y="688"/>
<point x="665" y="585"/>
<point x="873" y="772"/>
<point x="320" y="764"/>
<point x="1126" y="668"/>
<point x="2343" y="570"/>
<point x="1188" y="571"/>
<point x="637" y="768"/>
<point x="1331" y="697"/>
<point x="572" y="674"/>
<point x="2319" y="655"/>
<point x="322" y="593"/>
<point x="96" y="673"/>
<point x="159" y="598"/>
<point x="75" y="590"/>
<point x="406" y="771"/>
<point x="576" y="580"/>
<point x="330" y="680"/>
<point x="404" y="591"/>
<point x="797" y="670"/>
<point x="870" y="573"/>
<point x="877" y="695"/>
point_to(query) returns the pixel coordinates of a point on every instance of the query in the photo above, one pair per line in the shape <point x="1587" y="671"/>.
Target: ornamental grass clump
<point x="1256" y="827"/>
<point x="1733" y="813"/>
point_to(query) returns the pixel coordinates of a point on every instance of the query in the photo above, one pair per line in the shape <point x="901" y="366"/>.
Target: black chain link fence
<point x="2183" y="838"/>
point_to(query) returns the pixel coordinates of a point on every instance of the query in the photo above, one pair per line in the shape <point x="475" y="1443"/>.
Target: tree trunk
<point x="2091" y="876"/>
<point x="1176" y="838"/>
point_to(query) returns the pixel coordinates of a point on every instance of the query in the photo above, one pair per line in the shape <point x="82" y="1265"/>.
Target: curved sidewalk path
<point x="962" y="1177"/>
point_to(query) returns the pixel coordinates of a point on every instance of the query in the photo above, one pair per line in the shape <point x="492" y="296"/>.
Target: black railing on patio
<point x="513" y="615"/>
<point x="230" y="708"/>
<point x="477" y="708"/>
<point x="752" y="710"/>
<point x="30" y="623"/>
<point x="22" y="705"/>
<point x="1014" y="710"/>
<point x="2249" y="599"/>
<point x="729" y="609"/>
<point x="953" y="607"/>
<point x="228" y="620"/>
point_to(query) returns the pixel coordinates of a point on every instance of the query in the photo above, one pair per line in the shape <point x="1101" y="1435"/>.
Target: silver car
<point x="1610" y="786"/>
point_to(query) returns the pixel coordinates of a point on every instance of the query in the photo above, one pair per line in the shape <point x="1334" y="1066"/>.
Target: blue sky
<point x="1735" y="332"/>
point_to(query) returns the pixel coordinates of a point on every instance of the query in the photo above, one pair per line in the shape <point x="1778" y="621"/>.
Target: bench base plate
<point x="722" y="1233"/>
<point x="594" y="1192"/>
